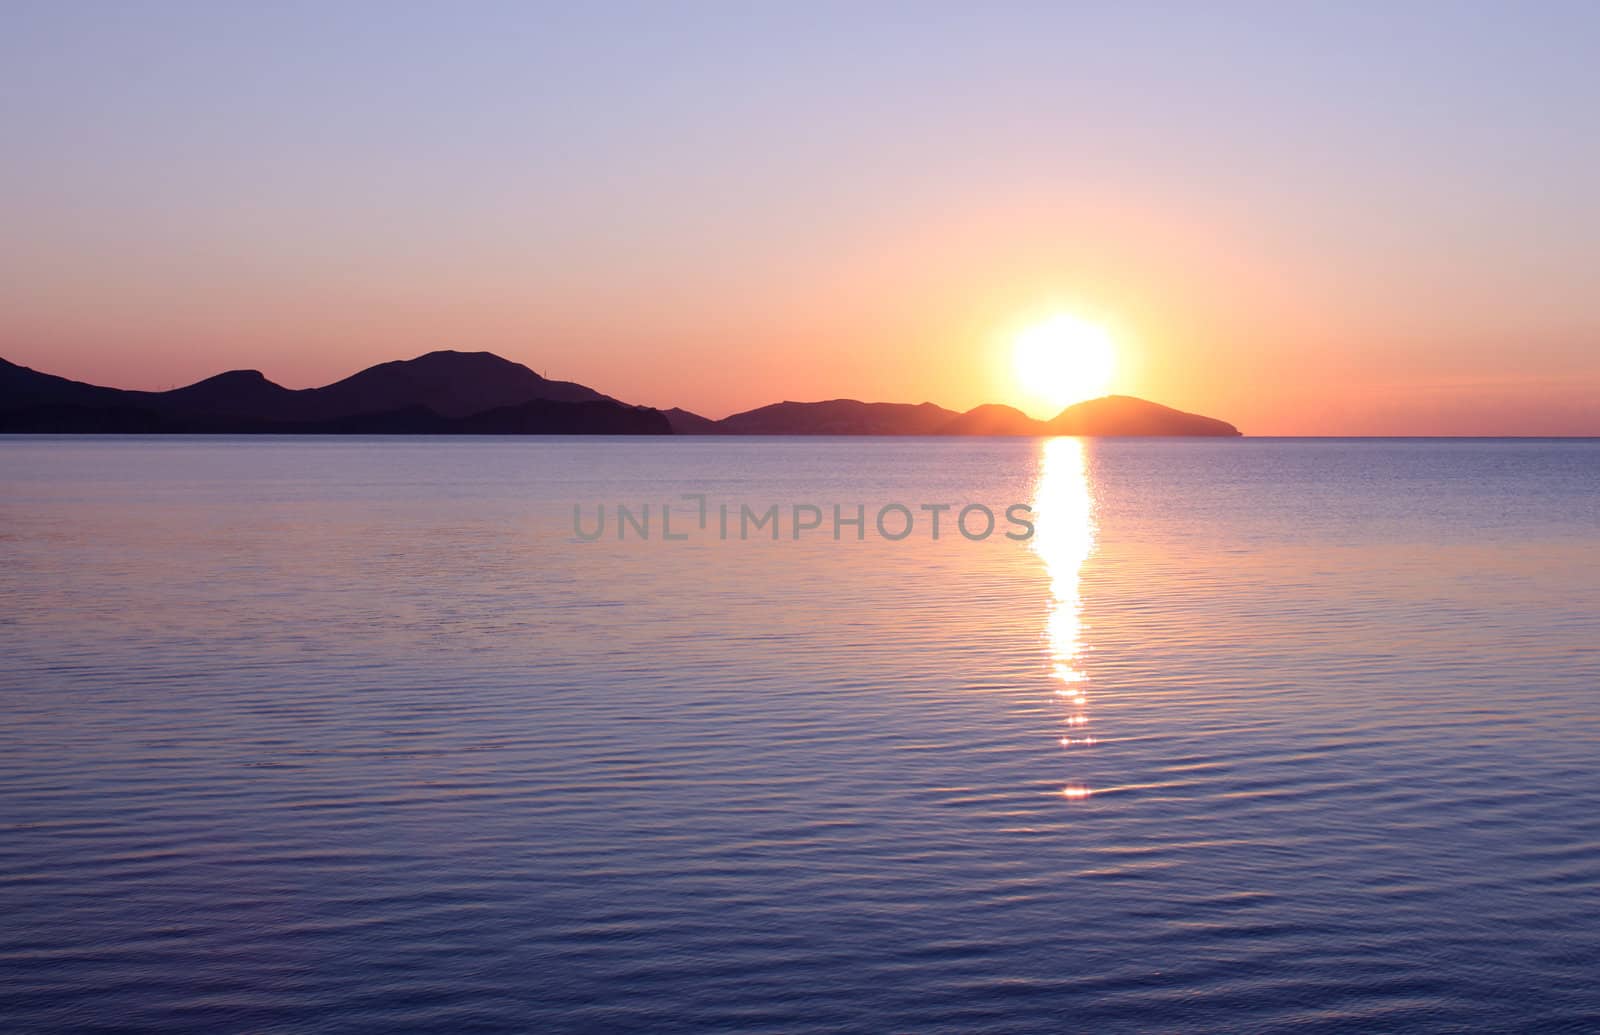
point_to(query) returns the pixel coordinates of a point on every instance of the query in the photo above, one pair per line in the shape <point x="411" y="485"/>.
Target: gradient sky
<point x="1337" y="219"/>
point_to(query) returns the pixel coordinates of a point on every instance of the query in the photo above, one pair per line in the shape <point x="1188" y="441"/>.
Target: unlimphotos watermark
<point x="679" y="522"/>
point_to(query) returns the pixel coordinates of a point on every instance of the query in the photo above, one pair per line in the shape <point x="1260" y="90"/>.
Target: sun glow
<point x="1064" y="360"/>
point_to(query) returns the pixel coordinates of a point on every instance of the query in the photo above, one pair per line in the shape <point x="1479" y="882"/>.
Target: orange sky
<point x="1313" y="223"/>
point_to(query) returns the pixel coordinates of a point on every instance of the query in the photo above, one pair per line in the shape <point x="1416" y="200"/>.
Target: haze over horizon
<point x="1354" y="221"/>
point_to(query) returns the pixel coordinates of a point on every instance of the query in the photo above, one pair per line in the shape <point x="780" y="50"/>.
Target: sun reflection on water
<point x="1063" y="538"/>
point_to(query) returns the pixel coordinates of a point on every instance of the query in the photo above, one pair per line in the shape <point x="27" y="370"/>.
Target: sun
<point x="1064" y="359"/>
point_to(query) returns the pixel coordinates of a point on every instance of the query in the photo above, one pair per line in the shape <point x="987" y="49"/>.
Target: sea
<point x="337" y="734"/>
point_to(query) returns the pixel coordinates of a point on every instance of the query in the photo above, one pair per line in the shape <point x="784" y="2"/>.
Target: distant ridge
<point x="1113" y="415"/>
<point x="440" y="393"/>
<point x="994" y="419"/>
<point x="685" y="423"/>
<point x="838" y="417"/>
<point x="1125" y="415"/>
<point x="479" y="393"/>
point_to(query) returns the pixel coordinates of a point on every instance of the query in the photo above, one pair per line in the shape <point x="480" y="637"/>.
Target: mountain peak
<point x="448" y="382"/>
<point x="838" y="417"/>
<point x="1118" y="415"/>
<point x="447" y="391"/>
<point x="458" y="356"/>
<point x="993" y="419"/>
<point x="235" y="377"/>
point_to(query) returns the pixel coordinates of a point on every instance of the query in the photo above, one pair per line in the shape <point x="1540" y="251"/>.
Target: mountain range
<point x="479" y="393"/>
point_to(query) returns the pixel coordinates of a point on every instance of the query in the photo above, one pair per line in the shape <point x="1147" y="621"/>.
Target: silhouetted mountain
<point x="1125" y="415"/>
<point x="448" y="393"/>
<point x="478" y="393"/>
<point x="1112" y="415"/>
<point x="993" y="419"/>
<point x="535" y="417"/>
<point x="451" y="384"/>
<point x="236" y="394"/>
<point x="24" y="386"/>
<point x="556" y="417"/>
<point x="838" y="417"/>
<point x="75" y="418"/>
<point x="685" y="423"/>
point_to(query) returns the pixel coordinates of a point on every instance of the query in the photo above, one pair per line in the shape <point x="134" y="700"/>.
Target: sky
<point x="1307" y="219"/>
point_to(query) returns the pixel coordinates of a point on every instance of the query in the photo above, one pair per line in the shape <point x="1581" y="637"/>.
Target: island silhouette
<point x="480" y="393"/>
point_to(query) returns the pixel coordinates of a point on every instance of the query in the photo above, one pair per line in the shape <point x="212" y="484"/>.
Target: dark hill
<point x="1125" y="415"/>
<point x="685" y="423"/>
<point x="1112" y="415"/>
<point x="838" y="417"/>
<point x="439" y="393"/>
<point x="236" y="394"/>
<point x="451" y="384"/>
<point x="993" y="419"/>
<point x="558" y="417"/>
<point x="24" y="386"/>
<point x="534" y="417"/>
<point x="465" y="393"/>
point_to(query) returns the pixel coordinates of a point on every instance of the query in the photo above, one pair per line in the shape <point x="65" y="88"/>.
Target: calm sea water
<point x="350" y="735"/>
